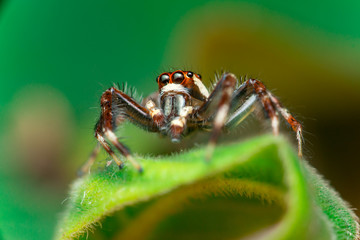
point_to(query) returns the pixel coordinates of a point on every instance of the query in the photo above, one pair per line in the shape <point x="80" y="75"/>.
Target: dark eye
<point x="178" y="77"/>
<point x="190" y="74"/>
<point x="164" y="79"/>
<point x="199" y="76"/>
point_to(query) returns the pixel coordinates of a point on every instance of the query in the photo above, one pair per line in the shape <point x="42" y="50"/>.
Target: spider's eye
<point x="199" y="76"/>
<point x="178" y="77"/>
<point x="190" y="74"/>
<point x="164" y="79"/>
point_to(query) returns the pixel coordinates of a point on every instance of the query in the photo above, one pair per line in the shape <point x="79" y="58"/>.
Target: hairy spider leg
<point x="295" y="125"/>
<point x="271" y="105"/>
<point x="85" y="168"/>
<point x="108" y="149"/>
<point x="117" y="107"/>
<point x="220" y="98"/>
<point x="114" y="140"/>
<point x="262" y="94"/>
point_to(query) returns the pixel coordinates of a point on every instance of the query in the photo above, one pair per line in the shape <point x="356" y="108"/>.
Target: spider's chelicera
<point x="182" y="105"/>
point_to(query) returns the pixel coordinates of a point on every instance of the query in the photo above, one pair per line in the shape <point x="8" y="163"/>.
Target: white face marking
<point x="201" y="86"/>
<point x="172" y="87"/>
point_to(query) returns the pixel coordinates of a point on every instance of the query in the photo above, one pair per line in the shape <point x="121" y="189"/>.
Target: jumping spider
<point x="182" y="105"/>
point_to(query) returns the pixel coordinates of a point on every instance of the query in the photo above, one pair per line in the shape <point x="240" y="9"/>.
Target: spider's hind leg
<point x="295" y="125"/>
<point x="271" y="105"/>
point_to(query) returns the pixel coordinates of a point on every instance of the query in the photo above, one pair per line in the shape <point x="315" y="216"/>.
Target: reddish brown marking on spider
<point x="183" y="104"/>
<point x="176" y="131"/>
<point x="159" y="119"/>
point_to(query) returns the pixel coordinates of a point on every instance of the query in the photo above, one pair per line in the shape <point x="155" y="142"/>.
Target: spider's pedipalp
<point x="177" y="125"/>
<point x="156" y="113"/>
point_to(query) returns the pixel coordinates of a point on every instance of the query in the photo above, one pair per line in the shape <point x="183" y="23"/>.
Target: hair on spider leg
<point x="184" y="105"/>
<point x="243" y="79"/>
<point x="306" y="135"/>
<point x="215" y="80"/>
<point x="120" y="86"/>
<point x="129" y="90"/>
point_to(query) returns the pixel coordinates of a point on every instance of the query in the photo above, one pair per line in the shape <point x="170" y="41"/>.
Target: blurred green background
<point x="57" y="57"/>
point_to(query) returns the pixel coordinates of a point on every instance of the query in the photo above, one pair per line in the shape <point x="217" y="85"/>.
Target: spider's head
<point x="183" y="81"/>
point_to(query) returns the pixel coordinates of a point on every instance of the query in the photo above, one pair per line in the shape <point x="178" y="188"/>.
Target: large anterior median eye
<point x="178" y="77"/>
<point x="164" y="79"/>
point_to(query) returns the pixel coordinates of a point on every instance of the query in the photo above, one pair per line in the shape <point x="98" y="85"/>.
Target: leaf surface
<point x="258" y="189"/>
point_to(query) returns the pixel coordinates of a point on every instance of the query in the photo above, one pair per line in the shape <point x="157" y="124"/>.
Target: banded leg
<point x="223" y="93"/>
<point x="264" y="98"/>
<point x="271" y="105"/>
<point x="177" y="125"/>
<point x="108" y="149"/>
<point x="123" y="150"/>
<point x="116" y="107"/>
<point x="295" y="125"/>
<point x="156" y="113"/>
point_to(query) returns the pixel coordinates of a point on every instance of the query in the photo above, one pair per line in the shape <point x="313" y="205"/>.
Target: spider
<point x="182" y="105"/>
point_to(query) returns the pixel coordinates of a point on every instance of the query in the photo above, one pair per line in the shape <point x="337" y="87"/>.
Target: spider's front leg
<point x="117" y="107"/>
<point x="218" y="102"/>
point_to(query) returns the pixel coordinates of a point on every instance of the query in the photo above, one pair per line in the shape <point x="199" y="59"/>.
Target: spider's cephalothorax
<point x="180" y="93"/>
<point x="183" y="104"/>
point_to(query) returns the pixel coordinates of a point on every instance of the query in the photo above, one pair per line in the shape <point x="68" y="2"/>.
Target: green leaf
<point x="257" y="188"/>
